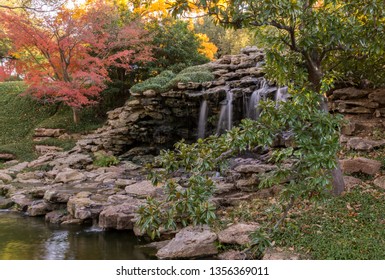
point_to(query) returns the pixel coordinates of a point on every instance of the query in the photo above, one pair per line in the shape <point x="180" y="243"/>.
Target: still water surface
<point x="28" y="238"/>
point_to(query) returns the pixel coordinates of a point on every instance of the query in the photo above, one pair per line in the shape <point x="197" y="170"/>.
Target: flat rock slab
<point x="232" y="255"/>
<point x="18" y="167"/>
<point x="72" y="160"/>
<point x="58" y="195"/>
<point x="362" y="144"/>
<point x="142" y="189"/>
<point x="190" y="242"/>
<point x="45" y="149"/>
<point x="69" y="175"/>
<point x="380" y="182"/>
<point x="237" y="234"/>
<point x="7" y="157"/>
<point x="278" y="254"/>
<point x="124" y="182"/>
<point x="360" y="164"/>
<point x="48" y="132"/>
<point x="351" y="182"/>
<point x="254" y="168"/>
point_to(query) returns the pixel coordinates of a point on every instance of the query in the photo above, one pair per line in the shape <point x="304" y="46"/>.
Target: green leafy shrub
<point x="167" y="80"/>
<point x="105" y="160"/>
<point x="189" y="75"/>
<point x="315" y="142"/>
<point x="158" y="83"/>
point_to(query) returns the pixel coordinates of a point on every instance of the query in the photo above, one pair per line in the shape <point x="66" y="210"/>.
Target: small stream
<point x="29" y="238"/>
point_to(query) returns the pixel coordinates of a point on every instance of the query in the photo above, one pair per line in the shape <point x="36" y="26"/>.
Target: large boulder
<point x="68" y="175"/>
<point x="121" y="216"/>
<point x="5" y="203"/>
<point x="58" y="195"/>
<point x="190" y="242"/>
<point x="56" y="217"/>
<point x="22" y="201"/>
<point x="237" y="234"/>
<point x="39" y="208"/>
<point x="86" y="205"/>
<point x="5" y="177"/>
<point x="360" y="164"/>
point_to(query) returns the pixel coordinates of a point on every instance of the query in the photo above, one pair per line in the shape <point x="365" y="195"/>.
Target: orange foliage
<point x="207" y="48"/>
<point x="65" y="57"/>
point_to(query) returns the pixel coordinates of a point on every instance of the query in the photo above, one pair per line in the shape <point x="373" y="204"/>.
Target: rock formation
<point x="66" y="187"/>
<point x="153" y="120"/>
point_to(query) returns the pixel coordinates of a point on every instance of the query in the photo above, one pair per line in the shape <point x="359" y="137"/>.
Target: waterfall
<point x="281" y="94"/>
<point x="225" y="121"/>
<point x="202" y="119"/>
<point x="252" y="106"/>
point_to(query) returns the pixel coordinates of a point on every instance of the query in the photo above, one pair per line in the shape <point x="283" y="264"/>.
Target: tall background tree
<point x="66" y="55"/>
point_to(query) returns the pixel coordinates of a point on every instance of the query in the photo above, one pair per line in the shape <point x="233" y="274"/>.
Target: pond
<point x="30" y="238"/>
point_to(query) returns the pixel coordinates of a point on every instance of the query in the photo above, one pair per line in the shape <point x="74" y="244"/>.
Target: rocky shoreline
<point x="66" y="188"/>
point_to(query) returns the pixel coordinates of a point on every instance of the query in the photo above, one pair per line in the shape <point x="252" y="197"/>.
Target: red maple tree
<point x="65" y="56"/>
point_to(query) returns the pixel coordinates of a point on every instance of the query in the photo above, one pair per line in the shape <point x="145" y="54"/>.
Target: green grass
<point x="350" y="227"/>
<point x="21" y="114"/>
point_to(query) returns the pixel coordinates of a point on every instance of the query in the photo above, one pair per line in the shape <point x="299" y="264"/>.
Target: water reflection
<point x="26" y="238"/>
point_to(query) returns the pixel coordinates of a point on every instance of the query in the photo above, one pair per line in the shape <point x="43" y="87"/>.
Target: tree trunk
<point x="315" y="77"/>
<point x="75" y="115"/>
<point x="337" y="176"/>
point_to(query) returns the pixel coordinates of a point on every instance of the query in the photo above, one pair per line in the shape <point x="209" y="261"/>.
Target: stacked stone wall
<point x="363" y="108"/>
<point x="151" y="121"/>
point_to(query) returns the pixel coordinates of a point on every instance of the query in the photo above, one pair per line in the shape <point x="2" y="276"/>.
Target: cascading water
<point x="281" y="94"/>
<point x="252" y="106"/>
<point x="202" y="119"/>
<point x="226" y="114"/>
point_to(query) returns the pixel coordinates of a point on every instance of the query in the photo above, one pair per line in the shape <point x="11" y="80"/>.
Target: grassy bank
<point x="20" y="115"/>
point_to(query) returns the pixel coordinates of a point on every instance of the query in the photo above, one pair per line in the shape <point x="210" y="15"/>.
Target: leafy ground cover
<point x="350" y="227"/>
